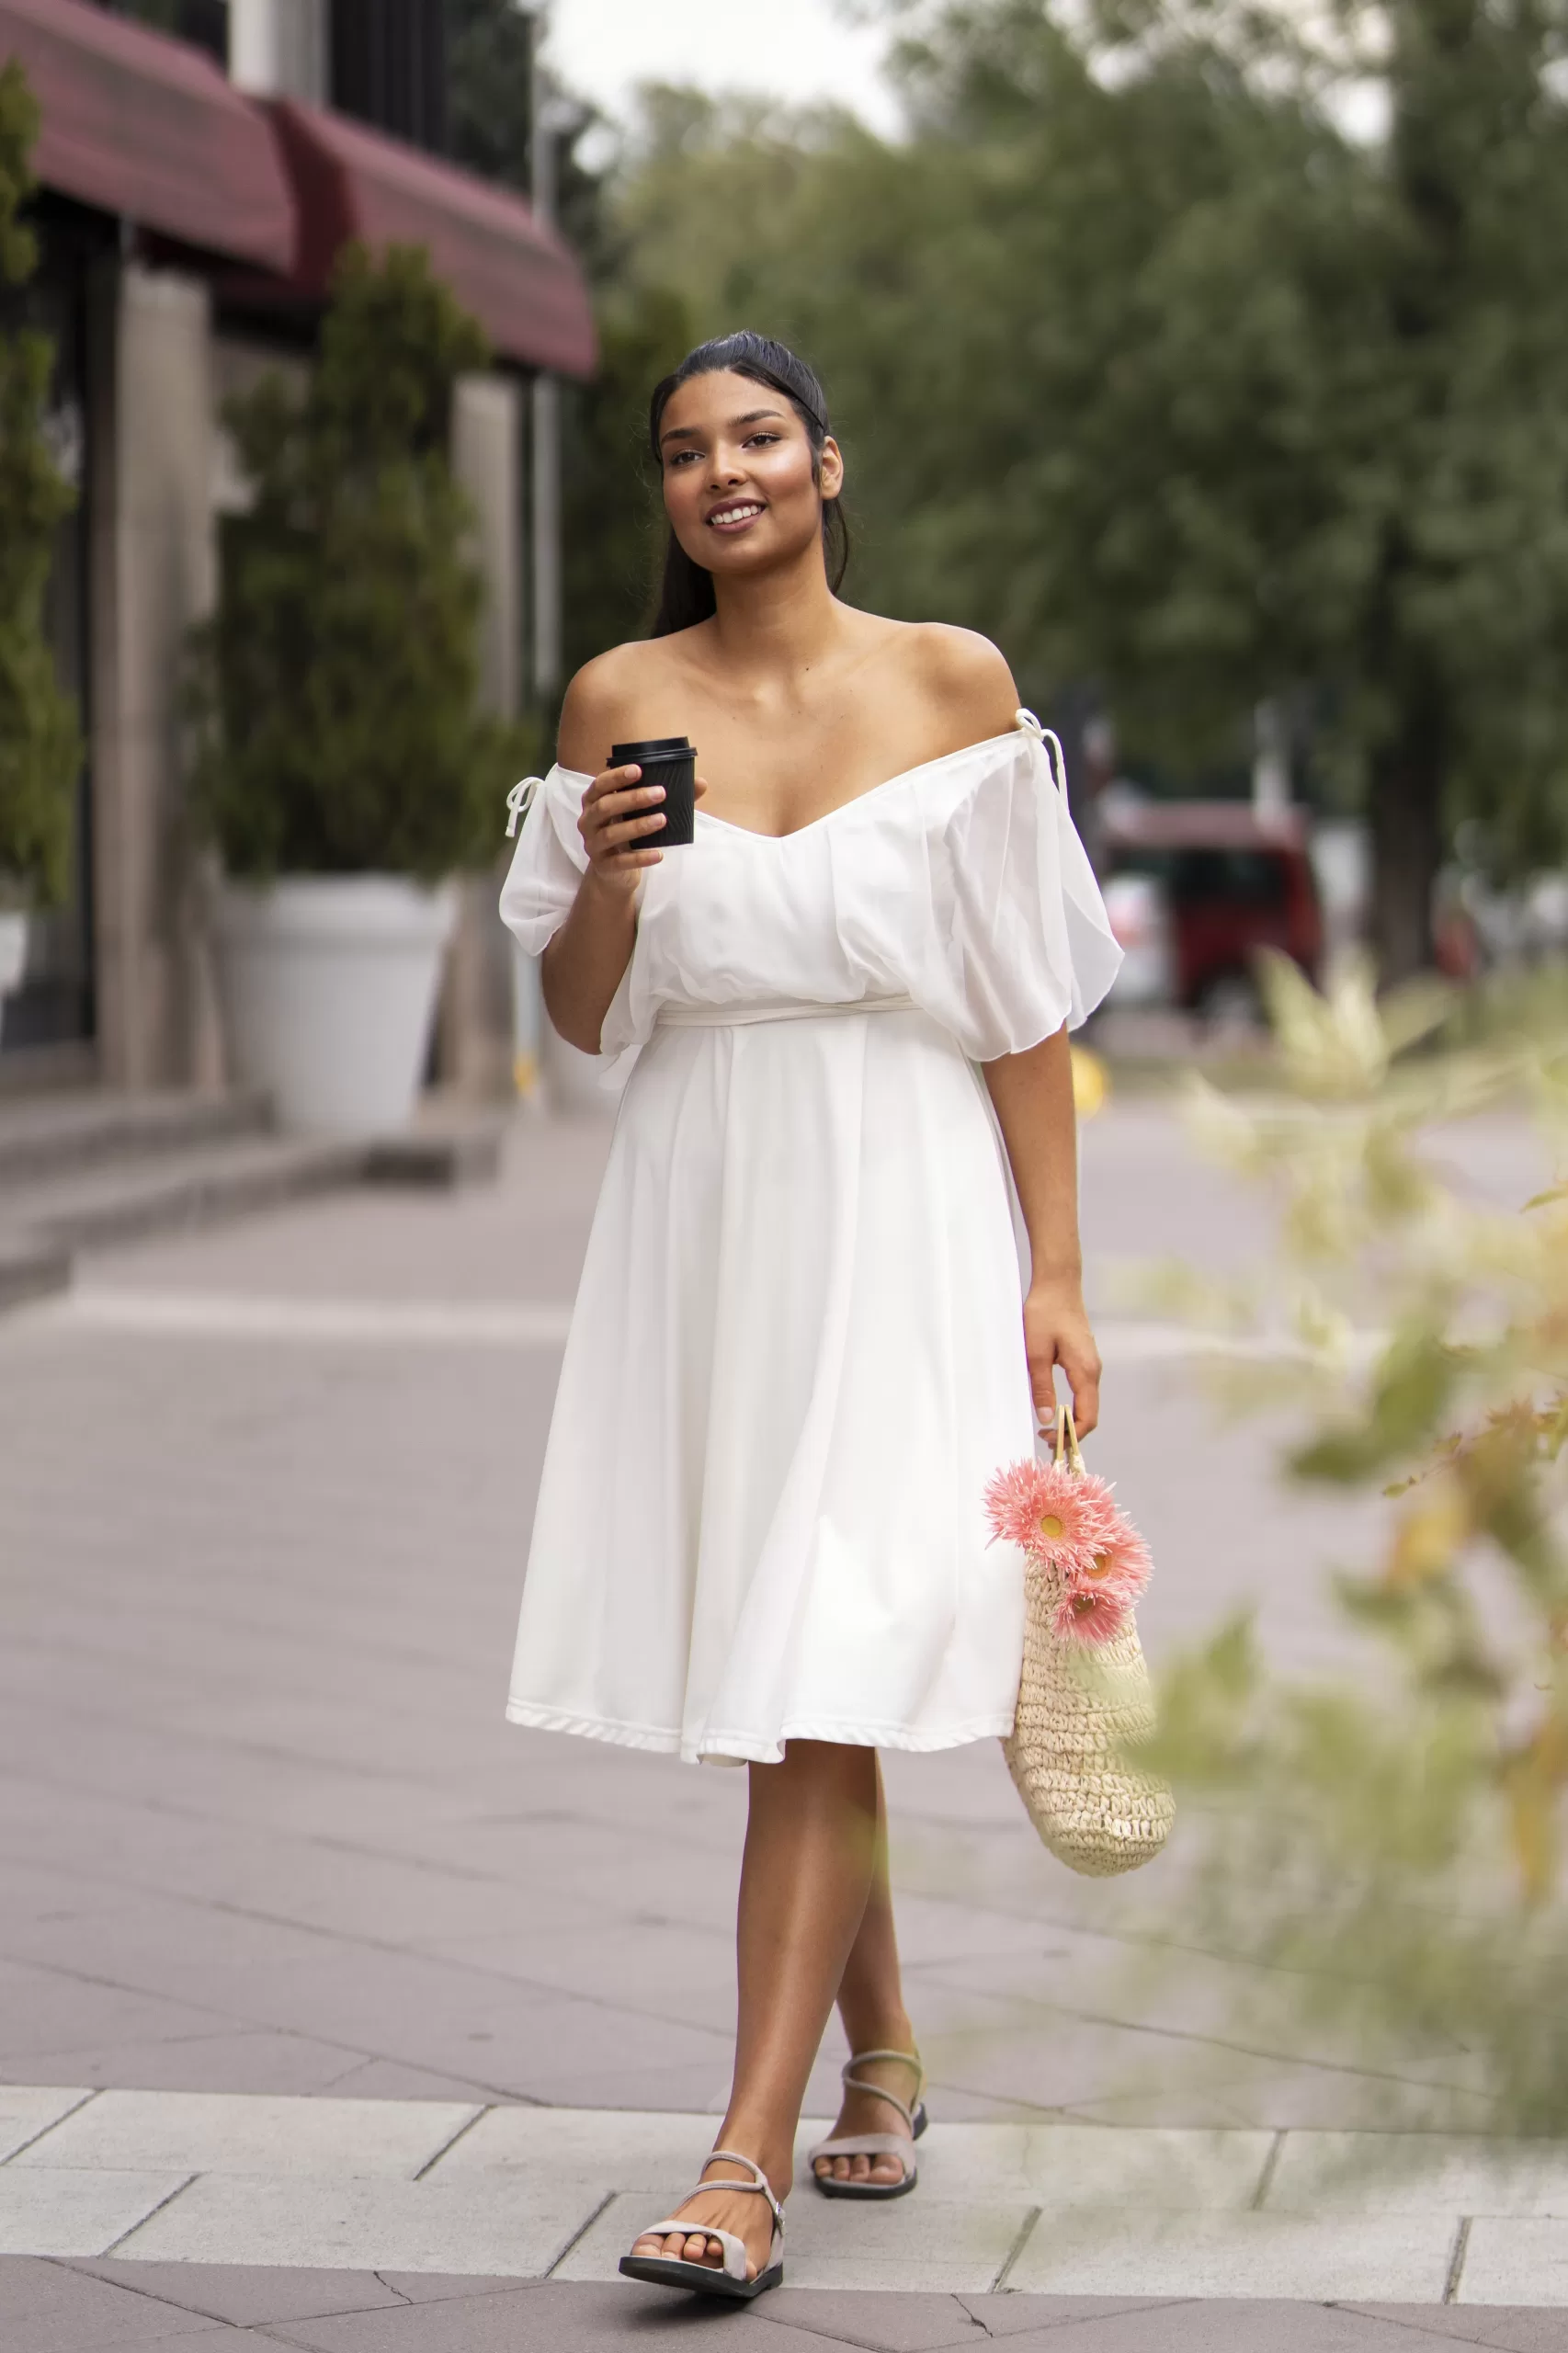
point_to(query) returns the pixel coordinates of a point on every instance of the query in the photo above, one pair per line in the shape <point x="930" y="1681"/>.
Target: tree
<point x="490" y="88"/>
<point x="337" y="685"/>
<point x="41" y="742"/>
<point x="1151" y="371"/>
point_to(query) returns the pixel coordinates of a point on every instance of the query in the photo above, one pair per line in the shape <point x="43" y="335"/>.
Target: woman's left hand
<point x="1056" y="1332"/>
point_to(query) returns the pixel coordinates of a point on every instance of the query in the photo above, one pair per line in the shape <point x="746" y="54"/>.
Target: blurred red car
<point x="1195" y="888"/>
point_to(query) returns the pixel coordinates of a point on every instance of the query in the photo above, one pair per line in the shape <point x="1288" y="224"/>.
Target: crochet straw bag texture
<point x="1078" y="1709"/>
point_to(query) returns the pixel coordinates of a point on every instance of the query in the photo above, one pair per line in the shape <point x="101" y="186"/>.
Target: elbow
<point x="567" y="1021"/>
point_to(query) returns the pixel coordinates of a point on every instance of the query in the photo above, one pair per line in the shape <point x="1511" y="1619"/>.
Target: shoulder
<point x="607" y="701"/>
<point x="958" y="681"/>
<point x="968" y="672"/>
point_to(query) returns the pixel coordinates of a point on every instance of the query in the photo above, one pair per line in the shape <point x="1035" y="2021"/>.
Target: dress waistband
<point x="736" y="1016"/>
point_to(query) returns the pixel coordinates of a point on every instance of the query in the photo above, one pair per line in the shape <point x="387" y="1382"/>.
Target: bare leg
<point x="871" y="2003"/>
<point x="810" y="1856"/>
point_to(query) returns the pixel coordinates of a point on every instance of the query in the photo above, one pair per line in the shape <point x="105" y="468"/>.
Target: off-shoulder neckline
<point x="874" y="791"/>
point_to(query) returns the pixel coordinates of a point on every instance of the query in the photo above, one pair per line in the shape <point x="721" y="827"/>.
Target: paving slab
<point x="76" y="2213"/>
<point x="53" y="2308"/>
<point x="359" y="2223"/>
<point x="25" y="2110"/>
<point x="1508" y="2329"/>
<point x="910" y="2243"/>
<point x="1391" y="2258"/>
<point x="1415" y="2173"/>
<point x="1509" y="2262"/>
<point x="249" y="2295"/>
<point x="1241" y="2324"/>
<point x="232" y="2133"/>
<point x="643" y="2149"/>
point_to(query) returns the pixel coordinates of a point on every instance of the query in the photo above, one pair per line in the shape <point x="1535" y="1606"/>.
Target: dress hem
<point x="741" y="1748"/>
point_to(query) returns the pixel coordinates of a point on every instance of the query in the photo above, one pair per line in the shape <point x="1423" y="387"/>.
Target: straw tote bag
<point x="1084" y="1694"/>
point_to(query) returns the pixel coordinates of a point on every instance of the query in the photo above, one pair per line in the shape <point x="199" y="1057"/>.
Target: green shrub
<point x="40" y="744"/>
<point x="336" y="688"/>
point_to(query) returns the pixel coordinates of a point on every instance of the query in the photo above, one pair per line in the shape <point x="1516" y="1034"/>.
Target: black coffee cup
<point x="669" y="760"/>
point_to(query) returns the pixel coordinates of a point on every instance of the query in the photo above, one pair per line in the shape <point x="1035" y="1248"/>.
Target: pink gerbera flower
<point x="1119" y="1563"/>
<point x="1090" y="1613"/>
<point x="1056" y="1514"/>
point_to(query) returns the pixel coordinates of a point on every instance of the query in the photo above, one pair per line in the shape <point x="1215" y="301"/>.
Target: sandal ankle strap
<point x="758" y="2186"/>
<point x="852" y="2083"/>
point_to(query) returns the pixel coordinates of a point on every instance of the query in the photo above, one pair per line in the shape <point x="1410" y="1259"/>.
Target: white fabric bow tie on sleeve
<point x="520" y="800"/>
<point x="1050" y="743"/>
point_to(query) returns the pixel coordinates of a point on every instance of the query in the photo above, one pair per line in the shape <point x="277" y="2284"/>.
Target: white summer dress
<point x="797" y="1350"/>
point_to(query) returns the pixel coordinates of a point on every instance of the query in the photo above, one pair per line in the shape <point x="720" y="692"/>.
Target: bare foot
<point x="750" y="2219"/>
<point x="864" y="2112"/>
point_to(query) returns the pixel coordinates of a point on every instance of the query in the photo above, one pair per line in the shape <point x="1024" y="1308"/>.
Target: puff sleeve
<point x="983" y="904"/>
<point x="548" y="862"/>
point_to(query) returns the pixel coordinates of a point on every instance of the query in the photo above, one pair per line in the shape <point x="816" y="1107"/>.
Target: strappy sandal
<point x="706" y="2278"/>
<point x="875" y="2144"/>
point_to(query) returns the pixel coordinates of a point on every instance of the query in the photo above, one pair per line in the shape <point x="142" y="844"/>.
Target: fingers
<point x="619" y="813"/>
<point x="1082" y="1368"/>
<point x="1084" y="1379"/>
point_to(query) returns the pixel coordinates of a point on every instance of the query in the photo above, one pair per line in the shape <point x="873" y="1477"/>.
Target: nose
<point x="725" y="469"/>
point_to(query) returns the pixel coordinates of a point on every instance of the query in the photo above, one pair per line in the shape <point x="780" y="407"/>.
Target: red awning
<point x="515" y="276"/>
<point x="140" y="124"/>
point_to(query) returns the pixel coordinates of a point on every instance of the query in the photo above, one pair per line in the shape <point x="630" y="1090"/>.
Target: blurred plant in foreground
<point x="1388" y="1846"/>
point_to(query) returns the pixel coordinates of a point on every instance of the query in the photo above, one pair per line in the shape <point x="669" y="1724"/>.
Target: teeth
<point x="735" y="513"/>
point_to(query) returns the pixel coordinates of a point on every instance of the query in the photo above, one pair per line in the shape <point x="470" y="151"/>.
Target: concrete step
<point x="90" y="1207"/>
<point x="73" y="1130"/>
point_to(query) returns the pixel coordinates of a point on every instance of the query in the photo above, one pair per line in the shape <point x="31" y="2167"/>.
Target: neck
<point x="782" y="620"/>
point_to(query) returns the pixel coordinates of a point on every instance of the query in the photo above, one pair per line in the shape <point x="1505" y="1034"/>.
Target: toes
<point x="860" y="2169"/>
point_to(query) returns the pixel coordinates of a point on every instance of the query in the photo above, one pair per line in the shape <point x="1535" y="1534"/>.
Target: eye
<point x="679" y="457"/>
<point x="764" y="436"/>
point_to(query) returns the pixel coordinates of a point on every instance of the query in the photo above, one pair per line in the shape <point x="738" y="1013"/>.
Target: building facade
<point x="196" y="188"/>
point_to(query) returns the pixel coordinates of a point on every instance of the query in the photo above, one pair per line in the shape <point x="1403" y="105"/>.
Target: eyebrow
<point x="693" y="433"/>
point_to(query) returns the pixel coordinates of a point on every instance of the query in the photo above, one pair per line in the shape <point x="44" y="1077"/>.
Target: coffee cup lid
<point x="655" y="747"/>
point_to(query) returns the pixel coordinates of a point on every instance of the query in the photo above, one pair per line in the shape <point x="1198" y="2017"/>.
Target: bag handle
<point x="1067" y="1439"/>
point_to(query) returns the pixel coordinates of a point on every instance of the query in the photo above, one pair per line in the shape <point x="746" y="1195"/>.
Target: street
<point x="263" y="1835"/>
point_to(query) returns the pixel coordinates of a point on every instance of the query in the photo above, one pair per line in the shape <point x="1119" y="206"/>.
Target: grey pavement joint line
<point x="582" y="2232"/>
<point x="466" y="2126"/>
<point x="1026" y="2231"/>
<point x="1456" y="2261"/>
<point x="179" y="2191"/>
<point x="1266" y="2178"/>
<point x="45" y="2130"/>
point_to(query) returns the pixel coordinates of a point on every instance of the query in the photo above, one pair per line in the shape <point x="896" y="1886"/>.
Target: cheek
<point x="788" y="476"/>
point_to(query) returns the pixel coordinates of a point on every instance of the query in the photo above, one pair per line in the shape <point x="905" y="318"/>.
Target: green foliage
<point x="490" y="87"/>
<point x="336" y="688"/>
<point x="1389" y="1849"/>
<point x="613" y="524"/>
<point x="1150" y="372"/>
<point x="40" y="746"/>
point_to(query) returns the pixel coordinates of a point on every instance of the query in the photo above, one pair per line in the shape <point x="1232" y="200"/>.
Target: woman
<point x="797" y="1354"/>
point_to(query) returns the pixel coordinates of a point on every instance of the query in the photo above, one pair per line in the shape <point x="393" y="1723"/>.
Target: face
<point x="739" y="487"/>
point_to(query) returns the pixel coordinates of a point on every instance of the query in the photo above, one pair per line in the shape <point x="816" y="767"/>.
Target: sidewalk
<point x="263" y="1832"/>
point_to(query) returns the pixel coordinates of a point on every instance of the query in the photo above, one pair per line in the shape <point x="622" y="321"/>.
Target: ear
<point x="830" y="467"/>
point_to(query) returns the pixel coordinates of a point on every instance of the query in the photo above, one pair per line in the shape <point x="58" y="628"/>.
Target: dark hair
<point x="685" y="590"/>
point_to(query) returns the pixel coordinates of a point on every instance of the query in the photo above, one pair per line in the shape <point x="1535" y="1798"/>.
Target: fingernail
<point x="655" y="793"/>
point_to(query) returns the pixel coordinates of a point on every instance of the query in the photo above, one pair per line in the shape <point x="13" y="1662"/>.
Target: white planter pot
<point x="13" y="948"/>
<point x="328" y="985"/>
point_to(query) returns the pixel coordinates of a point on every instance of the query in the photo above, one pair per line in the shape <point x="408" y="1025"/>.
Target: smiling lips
<point x="737" y="516"/>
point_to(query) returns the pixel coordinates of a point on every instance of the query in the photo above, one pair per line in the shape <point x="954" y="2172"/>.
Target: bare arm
<point x="582" y="967"/>
<point x="1032" y="1091"/>
<point x="1033" y="1096"/>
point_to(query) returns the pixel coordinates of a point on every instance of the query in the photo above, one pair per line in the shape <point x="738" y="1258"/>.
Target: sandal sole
<point x="663" y="2271"/>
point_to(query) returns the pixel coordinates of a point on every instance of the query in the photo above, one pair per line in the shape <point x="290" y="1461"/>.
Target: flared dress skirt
<point x="797" y="1352"/>
<point x="796" y="1357"/>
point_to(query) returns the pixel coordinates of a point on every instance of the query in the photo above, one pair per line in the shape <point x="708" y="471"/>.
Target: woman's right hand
<point x="618" y="812"/>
